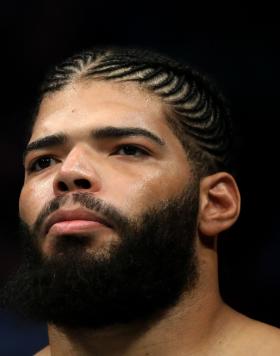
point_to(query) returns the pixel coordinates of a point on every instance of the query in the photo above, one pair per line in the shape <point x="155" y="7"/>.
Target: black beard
<point x="145" y="274"/>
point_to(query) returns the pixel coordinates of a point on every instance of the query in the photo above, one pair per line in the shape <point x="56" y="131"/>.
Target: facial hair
<point x="145" y="273"/>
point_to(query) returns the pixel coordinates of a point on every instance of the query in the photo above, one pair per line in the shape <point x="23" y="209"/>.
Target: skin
<point x="200" y="324"/>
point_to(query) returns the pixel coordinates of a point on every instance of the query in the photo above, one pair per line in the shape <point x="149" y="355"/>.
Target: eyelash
<point x="143" y="152"/>
<point x="32" y="167"/>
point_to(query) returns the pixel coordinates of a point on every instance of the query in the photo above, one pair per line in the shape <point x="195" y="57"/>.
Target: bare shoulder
<point x="256" y="338"/>
<point x="44" y="352"/>
<point x="267" y="338"/>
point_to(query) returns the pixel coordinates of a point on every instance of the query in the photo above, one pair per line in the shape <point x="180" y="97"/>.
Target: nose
<point x="76" y="173"/>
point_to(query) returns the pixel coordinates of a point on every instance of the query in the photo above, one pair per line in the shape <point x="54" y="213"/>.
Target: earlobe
<point x="219" y="203"/>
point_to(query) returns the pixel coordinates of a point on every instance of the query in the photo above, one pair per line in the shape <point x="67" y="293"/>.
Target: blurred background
<point x="236" y="46"/>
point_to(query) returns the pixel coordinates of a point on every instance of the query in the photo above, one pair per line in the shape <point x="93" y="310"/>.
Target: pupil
<point x="129" y="150"/>
<point x="44" y="162"/>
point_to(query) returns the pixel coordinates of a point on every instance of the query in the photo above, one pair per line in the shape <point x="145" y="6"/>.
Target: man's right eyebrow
<point x="45" y="142"/>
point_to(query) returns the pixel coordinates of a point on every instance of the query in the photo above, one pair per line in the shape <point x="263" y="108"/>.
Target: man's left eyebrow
<point x="45" y="142"/>
<point x="119" y="132"/>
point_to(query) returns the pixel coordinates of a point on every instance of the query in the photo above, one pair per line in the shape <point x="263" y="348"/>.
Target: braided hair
<point x="199" y="115"/>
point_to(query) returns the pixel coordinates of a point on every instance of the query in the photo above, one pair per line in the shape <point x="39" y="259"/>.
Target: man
<point x="127" y="187"/>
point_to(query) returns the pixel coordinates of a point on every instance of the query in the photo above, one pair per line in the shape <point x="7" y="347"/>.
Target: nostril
<point x="62" y="187"/>
<point x="82" y="183"/>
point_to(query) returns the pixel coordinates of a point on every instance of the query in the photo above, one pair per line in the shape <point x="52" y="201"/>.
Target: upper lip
<point x="77" y="214"/>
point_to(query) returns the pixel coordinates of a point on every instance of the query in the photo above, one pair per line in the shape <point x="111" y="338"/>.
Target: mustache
<point x="85" y="200"/>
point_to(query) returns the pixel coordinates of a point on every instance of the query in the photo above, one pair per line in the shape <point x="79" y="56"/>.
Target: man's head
<point x="122" y="179"/>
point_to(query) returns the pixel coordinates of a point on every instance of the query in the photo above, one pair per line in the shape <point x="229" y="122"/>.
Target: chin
<point x="77" y="245"/>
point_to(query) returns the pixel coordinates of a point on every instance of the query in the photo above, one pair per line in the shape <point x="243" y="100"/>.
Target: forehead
<point x="87" y="105"/>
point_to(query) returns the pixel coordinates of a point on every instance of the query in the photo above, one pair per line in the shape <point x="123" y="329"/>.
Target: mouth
<point x="74" y="221"/>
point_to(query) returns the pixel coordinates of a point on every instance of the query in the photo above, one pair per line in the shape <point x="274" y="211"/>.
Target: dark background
<point x="237" y="46"/>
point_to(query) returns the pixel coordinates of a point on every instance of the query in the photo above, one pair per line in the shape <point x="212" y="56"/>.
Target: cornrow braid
<point x="198" y="113"/>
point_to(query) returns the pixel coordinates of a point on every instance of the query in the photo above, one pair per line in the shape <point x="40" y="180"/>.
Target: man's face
<point x="131" y="173"/>
<point x="109" y="206"/>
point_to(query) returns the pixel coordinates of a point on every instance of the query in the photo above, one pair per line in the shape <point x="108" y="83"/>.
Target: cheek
<point x="135" y="193"/>
<point x="34" y="195"/>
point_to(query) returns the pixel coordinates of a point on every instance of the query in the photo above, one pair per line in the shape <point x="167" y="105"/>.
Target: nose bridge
<point x="77" y="171"/>
<point x="78" y="160"/>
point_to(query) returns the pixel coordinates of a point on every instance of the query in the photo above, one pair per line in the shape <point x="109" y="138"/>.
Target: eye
<point x="131" y="150"/>
<point x="41" y="163"/>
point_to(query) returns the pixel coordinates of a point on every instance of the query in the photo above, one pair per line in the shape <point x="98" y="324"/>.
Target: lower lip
<point x="74" y="226"/>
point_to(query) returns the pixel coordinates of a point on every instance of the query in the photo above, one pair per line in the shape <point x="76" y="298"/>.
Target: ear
<point x="219" y="203"/>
